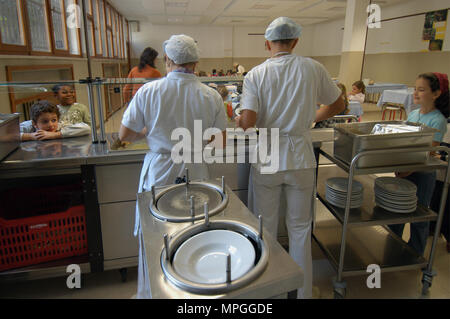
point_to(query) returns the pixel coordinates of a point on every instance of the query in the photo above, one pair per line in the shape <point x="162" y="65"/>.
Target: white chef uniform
<point x="284" y="92"/>
<point x="162" y="106"/>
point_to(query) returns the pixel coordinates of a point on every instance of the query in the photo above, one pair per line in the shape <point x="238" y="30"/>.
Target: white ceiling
<point x="233" y="12"/>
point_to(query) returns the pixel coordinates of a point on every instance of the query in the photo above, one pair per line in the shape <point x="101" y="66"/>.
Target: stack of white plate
<point x="396" y="195"/>
<point x="336" y="192"/>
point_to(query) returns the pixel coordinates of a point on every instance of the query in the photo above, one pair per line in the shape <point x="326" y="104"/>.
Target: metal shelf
<point x="432" y="164"/>
<point x="364" y="246"/>
<point x="368" y="214"/>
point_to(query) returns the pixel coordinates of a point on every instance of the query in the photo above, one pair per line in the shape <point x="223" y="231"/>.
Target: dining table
<point x="373" y="91"/>
<point x="403" y="97"/>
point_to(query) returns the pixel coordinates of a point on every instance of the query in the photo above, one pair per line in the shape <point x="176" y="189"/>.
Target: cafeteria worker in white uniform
<point x="283" y="93"/>
<point x="157" y="109"/>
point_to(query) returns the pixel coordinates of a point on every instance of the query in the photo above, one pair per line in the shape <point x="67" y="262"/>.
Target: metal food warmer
<point x="172" y="215"/>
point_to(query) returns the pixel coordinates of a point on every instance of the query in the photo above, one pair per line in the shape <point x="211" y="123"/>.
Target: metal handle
<point x="187" y="183"/>
<point x="260" y="226"/>
<point x="100" y="111"/>
<point x="166" y="244"/>
<point x="206" y="214"/>
<point x="192" y="206"/>
<point x="228" y="269"/>
<point x="223" y="184"/>
<point x="153" y="195"/>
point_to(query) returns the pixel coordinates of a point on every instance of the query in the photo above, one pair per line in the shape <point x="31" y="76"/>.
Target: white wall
<point x="225" y="42"/>
<point x="402" y="35"/>
<point x="324" y="39"/>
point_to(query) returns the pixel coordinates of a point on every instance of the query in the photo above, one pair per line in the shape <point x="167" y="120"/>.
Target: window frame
<point x="115" y="43"/>
<point x="15" y="48"/>
<point x="56" y="51"/>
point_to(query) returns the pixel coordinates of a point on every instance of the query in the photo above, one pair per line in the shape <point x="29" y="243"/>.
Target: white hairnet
<point x="283" y="28"/>
<point x="181" y="49"/>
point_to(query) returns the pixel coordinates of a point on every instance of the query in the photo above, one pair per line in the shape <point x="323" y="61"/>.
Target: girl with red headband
<point x="432" y="94"/>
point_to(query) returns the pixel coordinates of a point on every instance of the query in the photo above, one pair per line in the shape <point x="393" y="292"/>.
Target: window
<point x="38" y="24"/>
<point x="11" y="23"/>
<point x="97" y="29"/>
<point x="102" y="23"/>
<point x="59" y="23"/>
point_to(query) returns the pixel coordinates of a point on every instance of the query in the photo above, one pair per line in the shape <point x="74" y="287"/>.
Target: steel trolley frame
<point x="360" y="246"/>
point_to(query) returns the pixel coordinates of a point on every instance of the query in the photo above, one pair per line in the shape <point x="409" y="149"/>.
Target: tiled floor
<point x="108" y="284"/>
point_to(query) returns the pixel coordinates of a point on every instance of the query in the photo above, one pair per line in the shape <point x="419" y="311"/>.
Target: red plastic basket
<point x="38" y="239"/>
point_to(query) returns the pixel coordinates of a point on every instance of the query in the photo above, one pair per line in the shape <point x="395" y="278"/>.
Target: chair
<point x="392" y="108"/>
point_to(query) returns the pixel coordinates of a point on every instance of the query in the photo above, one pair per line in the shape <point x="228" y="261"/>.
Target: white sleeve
<point x="77" y="129"/>
<point x="328" y="92"/>
<point x="249" y="99"/>
<point x="220" y="121"/>
<point x="133" y="117"/>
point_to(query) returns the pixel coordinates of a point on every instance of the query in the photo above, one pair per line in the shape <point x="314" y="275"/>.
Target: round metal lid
<point x="186" y="202"/>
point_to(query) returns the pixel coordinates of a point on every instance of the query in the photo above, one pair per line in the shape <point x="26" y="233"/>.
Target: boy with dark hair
<point x="43" y="124"/>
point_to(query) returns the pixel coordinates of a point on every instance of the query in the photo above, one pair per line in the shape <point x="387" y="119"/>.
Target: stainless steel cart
<point x="352" y="239"/>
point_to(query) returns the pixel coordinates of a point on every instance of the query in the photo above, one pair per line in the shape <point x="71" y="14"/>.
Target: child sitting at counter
<point x="358" y="92"/>
<point x="71" y="112"/>
<point x="43" y="124"/>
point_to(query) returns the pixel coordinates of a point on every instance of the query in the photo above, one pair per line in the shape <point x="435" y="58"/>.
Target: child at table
<point x="358" y="92"/>
<point x="331" y="121"/>
<point x="432" y="94"/>
<point x="223" y="91"/>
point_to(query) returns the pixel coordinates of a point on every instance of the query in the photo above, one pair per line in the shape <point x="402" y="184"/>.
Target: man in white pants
<point x="283" y="93"/>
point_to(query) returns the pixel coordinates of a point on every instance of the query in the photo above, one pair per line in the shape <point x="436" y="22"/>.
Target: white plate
<point x="394" y="185"/>
<point x="340" y="184"/>
<point x="394" y="201"/>
<point x="203" y="257"/>
<point x="398" y="195"/>
<point x="394" y="210"/>
<point x="344" y="197"/>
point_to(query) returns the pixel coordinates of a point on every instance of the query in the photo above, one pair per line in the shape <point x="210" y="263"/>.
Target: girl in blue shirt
<point x="432" y="94"/>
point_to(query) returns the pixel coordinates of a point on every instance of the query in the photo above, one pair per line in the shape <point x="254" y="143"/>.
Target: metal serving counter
<point x="110" y="179"/>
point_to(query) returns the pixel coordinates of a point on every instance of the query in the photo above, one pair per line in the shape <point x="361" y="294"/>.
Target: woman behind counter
<point x="432" y="94"/>
<point x="146" y="69"/>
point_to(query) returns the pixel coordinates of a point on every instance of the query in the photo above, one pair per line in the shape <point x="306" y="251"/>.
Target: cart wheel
<point x="123" y="274"/>
<point x="339" y="293"/>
